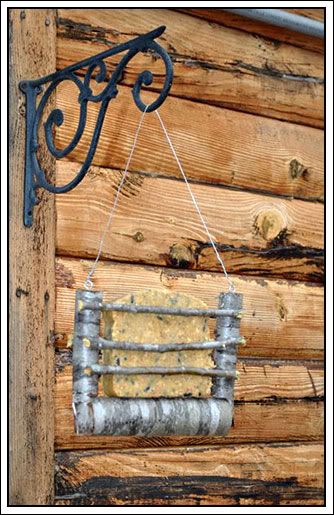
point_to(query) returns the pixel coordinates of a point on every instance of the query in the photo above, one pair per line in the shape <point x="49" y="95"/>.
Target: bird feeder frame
<point x="100" y="415"/>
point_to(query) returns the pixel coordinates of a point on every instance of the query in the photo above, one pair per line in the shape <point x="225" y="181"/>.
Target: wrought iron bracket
<point x="35" y="177"/>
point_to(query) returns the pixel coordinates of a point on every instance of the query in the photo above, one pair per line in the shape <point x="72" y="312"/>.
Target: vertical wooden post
<point x="32" y="53"/>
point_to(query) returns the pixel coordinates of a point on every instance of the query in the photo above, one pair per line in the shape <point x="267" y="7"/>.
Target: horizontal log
<point x="282" y="319"/>
<point x="212" y="64"/>
<point x="230" y="475"/>
<point x="276" y="422"/>
<point x="215" y="145"/>
<point x="314" y="14"/>
<point x="259" y="380"/>
<point x="155" y="417"/>
<point x="156" y="223"/>
<point x="273" y="402"/>
<point x="256" y="28"/>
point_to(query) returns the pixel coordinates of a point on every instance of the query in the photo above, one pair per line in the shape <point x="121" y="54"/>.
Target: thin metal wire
<point x="220" y="260"/>
<point x="88" y="284"/>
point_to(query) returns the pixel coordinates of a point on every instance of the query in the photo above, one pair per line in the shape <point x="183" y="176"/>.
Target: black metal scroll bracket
<point x="34" y="176"/>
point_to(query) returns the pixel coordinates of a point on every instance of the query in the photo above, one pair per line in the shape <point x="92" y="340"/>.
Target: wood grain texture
<point x="266" y="395"/>
<point x="260" y="380"/>
<point x="275" y="310"/>
<point x="215" y="64"/>
<point x="215" y="145"/>
<point x="253" y="422"/>
<point x="31" y="278"/>
<point x="156" y="223"/>
<point x="313" y="13"/>
<point x="259" y="30"/>
<point x="272" y="455"/>
<point x="230" y="475"/>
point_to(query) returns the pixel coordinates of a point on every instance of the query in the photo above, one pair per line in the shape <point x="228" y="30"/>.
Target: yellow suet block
<point x="152" y="328"/>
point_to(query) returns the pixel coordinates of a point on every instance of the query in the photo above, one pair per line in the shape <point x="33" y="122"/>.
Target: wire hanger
<point x="89" y="284"/>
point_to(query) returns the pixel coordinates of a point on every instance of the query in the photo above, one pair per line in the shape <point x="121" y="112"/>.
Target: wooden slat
<point x="256" y="28"/>
<point x="215" y="64"/>
<point x="156" y="223"/>
<point x="215" y="145"/>
<point x="231" y="475"/>
<point x="282" y="319"/>
<point x="32" y="54"/>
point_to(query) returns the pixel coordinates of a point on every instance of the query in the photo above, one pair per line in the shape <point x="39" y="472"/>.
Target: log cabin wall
<point x="246" y="114"/>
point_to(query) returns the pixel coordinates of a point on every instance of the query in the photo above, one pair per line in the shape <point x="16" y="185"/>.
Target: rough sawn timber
<point x="272" y="79"/>
<point x="256" y="234"/>
<point x="274" y="402"/>
<point x="32" y="53"/>
<point x="273" y="454"/>
<point x="263" y="30"/>
<point x="215" y="145"/>
<point x="282" y="474"/>
<point x="275" y="310"/>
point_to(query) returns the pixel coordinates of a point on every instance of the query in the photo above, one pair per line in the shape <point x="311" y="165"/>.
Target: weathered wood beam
<point x="274" y="309"/>
<point x="211" y="65"/>
<point x="215" y="145"/>
<point x="32" y="53"/>
<point x="255" y="235"/>
<point x="281" y="474"/>
<point x="258" y="29"/>
<point x="275" y="401"/>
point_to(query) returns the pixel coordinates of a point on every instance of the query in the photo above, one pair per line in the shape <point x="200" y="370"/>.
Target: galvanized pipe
<point x="284" y="19"/>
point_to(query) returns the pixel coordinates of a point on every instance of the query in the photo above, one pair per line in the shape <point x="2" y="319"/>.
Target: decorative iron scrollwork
<point x="96" y="70"/>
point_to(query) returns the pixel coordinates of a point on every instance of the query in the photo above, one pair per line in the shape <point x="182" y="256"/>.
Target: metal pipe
<point x="284" y="19"/>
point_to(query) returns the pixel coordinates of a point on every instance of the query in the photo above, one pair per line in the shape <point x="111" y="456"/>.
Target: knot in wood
<point x="181" y="256"/>
<point x="297" y="170"/>
<point x="269" y="224"/>
<point x="138" y="237"/>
